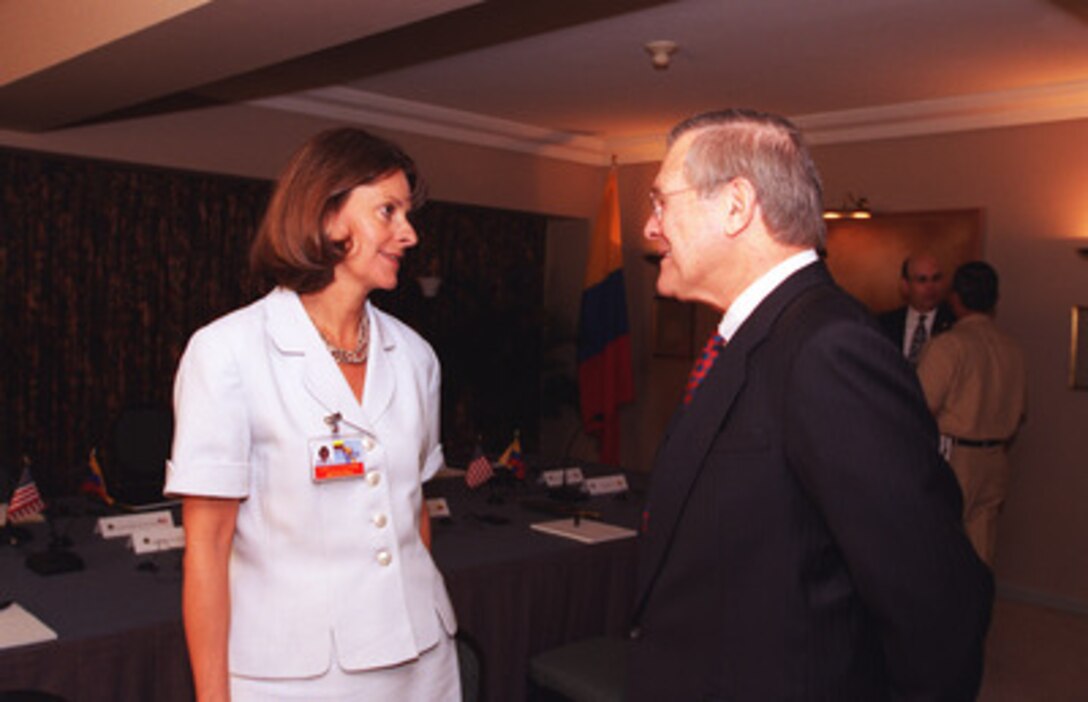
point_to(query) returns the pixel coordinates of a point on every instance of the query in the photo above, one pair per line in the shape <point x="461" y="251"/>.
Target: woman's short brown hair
<point x="292" y="246"/>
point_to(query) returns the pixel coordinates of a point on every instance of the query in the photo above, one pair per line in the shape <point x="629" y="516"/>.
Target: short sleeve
<point x="433" y="458"/>
<point x="210" y="455"/>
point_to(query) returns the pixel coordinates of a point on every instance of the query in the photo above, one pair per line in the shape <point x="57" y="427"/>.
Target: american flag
<point x="26" y="501"/>
<point x="479" y="469"/>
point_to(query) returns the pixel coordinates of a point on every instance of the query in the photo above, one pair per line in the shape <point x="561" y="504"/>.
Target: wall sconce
<point x="430" y="281"/>
<point x="852" y="208"/>
<point x="661" y="52"/>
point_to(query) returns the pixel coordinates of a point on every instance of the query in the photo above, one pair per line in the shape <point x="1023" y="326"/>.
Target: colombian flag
<point x="604" y="344"/>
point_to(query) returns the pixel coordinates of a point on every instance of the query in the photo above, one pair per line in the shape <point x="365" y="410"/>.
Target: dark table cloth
<point x="516" y="592"/>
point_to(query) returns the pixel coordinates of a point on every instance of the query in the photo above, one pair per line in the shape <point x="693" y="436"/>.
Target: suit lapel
<point x="381" y="375"/>
<point x="694" y="427"/>
<point x="295" y="336"/>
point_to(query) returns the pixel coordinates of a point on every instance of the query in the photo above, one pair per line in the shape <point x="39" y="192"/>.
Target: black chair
<point x="470" y="660"/>
<point x="591" y="670"/>
<point x="29" y="696"/>
<point x="134" y="457"/>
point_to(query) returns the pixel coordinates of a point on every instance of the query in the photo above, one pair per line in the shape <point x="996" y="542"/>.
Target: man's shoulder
<point x="944" y="319"/>
<point x="893" y="321"/>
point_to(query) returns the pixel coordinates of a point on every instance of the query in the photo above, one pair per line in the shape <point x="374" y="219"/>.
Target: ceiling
<point x="565" y="78"/>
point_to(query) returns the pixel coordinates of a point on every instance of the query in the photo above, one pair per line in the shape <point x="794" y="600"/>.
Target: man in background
<point x="926" y="314"/>
<point x="802" y="535"/>
<point x="976" y="386"/>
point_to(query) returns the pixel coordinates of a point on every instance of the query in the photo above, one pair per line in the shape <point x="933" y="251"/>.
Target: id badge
<point x="337" y="457"/>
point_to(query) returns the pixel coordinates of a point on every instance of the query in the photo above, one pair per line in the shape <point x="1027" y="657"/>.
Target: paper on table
<point x="587" y="531"/>
<point x="19" y="627"/>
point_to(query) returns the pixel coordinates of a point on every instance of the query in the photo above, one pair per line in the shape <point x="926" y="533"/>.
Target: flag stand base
<point x="54" y="562"/>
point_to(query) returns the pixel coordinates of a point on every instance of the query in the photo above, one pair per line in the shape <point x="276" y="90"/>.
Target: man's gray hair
<point x="767" y="151"/>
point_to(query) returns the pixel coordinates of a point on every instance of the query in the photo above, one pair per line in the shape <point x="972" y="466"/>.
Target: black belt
<point x="978" y="443"/>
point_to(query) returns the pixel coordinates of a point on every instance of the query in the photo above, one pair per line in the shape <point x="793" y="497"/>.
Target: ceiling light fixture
<point x="852" y="208"/>
<point x="661" y="51"/>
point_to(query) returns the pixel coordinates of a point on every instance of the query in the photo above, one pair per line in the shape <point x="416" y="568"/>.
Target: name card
<point x="438" y="508"/>
<point x="554" y="478"/>
<point x="127" y="524"/>
<point x="607" y="484"/>
<point x="157" y="538"/>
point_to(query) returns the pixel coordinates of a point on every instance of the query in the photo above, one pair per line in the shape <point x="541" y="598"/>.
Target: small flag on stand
<point x="511" y="458"/>
<point x="26" y="502"/>
<point x="95" y="483"/>
<point x="479" y="469"/>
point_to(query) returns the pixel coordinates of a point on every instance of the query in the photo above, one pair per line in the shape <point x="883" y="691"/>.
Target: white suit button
<point x="369" y="443"/>
<point x="373" y="478"/>
<point x="380" y="520"/>
<point x="384" y="558"/>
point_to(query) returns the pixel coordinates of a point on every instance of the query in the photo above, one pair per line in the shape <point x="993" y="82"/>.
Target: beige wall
<point x="255" y="142"/>
<point x="1032" y="183"/>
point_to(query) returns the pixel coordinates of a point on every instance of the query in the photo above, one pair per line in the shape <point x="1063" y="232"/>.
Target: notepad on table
<point x="19" y="627"/>
<point x="588" y="531"/>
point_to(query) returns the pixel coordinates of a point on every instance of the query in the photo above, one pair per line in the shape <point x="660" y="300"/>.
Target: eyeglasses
<point x="657" y="199"/>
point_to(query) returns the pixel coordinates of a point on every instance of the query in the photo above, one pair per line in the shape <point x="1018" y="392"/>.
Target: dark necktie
<point x="917" y="341"/>
<point x="702" y="365"/>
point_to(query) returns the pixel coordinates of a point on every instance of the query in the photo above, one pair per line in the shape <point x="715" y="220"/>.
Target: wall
<point x="256" y="142"/>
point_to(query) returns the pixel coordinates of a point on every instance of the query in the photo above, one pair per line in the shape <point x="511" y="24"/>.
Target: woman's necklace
<point x="356" y="356"/>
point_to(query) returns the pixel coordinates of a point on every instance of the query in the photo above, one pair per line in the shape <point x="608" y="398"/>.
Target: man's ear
<point x="738" y="201"/>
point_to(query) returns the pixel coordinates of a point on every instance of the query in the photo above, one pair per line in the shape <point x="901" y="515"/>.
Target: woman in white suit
<point x="306" y="425"/>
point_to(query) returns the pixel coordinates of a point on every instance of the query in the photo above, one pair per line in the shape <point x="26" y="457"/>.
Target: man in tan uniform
<point x="975" y="383"/>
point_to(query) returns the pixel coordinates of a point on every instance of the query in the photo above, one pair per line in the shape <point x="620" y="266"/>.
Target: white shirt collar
<point x="763" y="286"/>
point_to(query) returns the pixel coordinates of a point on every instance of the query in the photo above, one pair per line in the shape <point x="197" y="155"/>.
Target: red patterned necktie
<point x="703" y="364"/>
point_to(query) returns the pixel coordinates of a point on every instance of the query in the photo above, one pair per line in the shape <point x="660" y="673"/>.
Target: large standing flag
<point x="25" y="501"/>
<point x="604" y="344"/>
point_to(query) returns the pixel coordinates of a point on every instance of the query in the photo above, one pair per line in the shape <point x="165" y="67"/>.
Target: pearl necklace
<point x="358" y="355"/>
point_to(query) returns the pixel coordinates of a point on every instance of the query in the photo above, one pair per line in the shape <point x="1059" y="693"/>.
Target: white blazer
<point x="314" y="562"/>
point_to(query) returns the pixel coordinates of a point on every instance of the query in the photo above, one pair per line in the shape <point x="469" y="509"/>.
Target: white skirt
<point x="432" y="676"/>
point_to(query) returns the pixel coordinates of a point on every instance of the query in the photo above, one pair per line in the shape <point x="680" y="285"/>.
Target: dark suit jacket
<point x="894" y="323"/>
<point x="803" y="538"/>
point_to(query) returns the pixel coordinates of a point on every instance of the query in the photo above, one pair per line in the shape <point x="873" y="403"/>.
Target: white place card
<point x="607" y="484"/>
<point x="127" y="524"/>
<point x="554" y="478"/>
<point x="157" y="538"/>
<point x="438" y="508"/>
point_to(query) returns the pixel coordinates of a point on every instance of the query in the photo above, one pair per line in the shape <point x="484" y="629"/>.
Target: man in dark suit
<point x="921" y="281"/>
<point x="802" y="535"/>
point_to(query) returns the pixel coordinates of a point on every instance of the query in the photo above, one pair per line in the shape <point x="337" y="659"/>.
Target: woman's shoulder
<point x="238" y="324"/>
<point x="395" y="331"/>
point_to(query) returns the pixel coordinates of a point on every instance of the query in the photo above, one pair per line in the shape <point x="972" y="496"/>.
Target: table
<point x="516" y="592"/>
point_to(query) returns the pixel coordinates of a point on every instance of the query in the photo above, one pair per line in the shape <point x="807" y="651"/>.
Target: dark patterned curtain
<point x="484" y="320"/>
<point x="109" y="268"/>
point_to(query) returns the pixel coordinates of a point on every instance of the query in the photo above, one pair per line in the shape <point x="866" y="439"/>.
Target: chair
<point x="591" y="670"/>
<point x="29" y="696"/>
<point x="136" y="452"/>
<point x="470" y="661"/>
